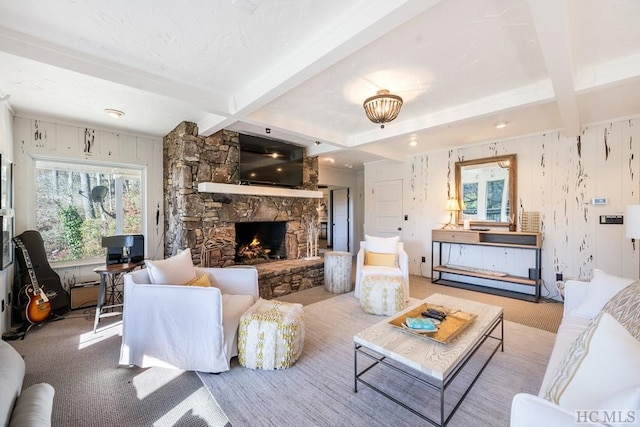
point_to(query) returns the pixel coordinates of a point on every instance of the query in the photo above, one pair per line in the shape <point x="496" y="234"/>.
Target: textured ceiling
<point x="303" y="68"/>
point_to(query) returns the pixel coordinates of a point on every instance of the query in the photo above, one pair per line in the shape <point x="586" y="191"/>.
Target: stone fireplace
<point x="213" y="224"/>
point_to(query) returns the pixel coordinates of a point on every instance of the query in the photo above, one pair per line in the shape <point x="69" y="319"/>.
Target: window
<point x="470" y="198"/>
<point x="494" y="199"/>
<point x="77" y="204"/>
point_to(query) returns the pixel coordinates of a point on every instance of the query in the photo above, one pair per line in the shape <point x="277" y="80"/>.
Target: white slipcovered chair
<point x="192" y="328"/>
<point x="382" y="256"/>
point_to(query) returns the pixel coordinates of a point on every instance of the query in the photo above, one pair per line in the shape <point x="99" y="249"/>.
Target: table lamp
<point x="452" y="206"/>
<point x="632" y="223"/>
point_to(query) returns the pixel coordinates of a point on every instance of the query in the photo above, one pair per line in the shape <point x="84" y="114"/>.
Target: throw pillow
<point x="176" y="270"/>
<point x="202" y="281"/>
<point x="624" y="308"/>
<point x="382" y="260"/>
<point x="627" y="401"/>
<point x="602" y="362"/>
<point x="382" y="245"/>
<point x="602" y="287"/>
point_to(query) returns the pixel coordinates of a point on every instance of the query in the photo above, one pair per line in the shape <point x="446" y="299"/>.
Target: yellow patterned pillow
<point x="382" y="260"/>
<point x="202" y="281"/>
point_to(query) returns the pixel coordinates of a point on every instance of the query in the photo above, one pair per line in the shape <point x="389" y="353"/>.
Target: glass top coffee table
<point x="432" y="363"/>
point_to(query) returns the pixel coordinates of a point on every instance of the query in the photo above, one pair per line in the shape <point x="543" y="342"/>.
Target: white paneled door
<point x="388" y="197"/>
<point x="340" y="219"/>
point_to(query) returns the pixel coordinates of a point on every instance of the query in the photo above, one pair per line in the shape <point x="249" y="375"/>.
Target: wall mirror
<point x="486" y="190"/>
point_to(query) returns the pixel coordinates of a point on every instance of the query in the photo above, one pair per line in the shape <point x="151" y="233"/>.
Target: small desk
<point x="109" y="296"/>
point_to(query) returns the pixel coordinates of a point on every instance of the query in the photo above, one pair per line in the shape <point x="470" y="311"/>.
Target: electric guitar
<point x="37" y="307"/>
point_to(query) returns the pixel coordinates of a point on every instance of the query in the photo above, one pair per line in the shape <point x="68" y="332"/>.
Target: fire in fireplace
<point x="258" y="242"/>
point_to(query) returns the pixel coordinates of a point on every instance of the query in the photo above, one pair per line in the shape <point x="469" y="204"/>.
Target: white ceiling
<point x="303" y="68"/>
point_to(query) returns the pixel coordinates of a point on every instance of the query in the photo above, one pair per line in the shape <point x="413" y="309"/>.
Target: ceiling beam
<point x="25" y="46"/>
<point x="490" y="105"/>
<point x="550" y="18"/>
<point x="380" y="17"/>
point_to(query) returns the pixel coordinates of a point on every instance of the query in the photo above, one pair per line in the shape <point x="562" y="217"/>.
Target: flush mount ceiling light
<point x="383" y="107"/>
<point x="116" y="114"/>
<point x="501" y="125"/>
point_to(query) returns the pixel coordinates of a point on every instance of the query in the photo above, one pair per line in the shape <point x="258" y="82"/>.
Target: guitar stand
<point x="21" y="332"/>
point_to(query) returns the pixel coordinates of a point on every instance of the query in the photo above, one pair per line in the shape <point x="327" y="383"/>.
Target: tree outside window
<point x="77" y="204"/>
<point x="470" y="198"/>
<point x="495" y="191"/>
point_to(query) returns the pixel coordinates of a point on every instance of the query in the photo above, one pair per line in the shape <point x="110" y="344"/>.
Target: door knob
<point x="399" y="228"/>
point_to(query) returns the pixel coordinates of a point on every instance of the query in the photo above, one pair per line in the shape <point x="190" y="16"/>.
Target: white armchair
<point x="382" y="245"/>
<point x="185" y="327"/>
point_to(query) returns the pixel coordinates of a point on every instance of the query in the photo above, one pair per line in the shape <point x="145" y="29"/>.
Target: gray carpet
<point x="93" y="391"/>
<point x="318" y="389"/>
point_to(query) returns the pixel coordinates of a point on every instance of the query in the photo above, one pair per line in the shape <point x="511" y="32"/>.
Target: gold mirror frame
<point x="489" y="163"/>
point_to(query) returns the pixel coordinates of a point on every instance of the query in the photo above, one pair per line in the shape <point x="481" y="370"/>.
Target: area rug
<point x="92" y="390"/>
<point x="319" y="389"/>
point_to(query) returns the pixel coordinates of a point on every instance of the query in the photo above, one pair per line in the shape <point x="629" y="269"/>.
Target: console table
<point x="488" y="238"/>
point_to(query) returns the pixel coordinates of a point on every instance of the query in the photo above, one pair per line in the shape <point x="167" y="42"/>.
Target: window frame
<point x="34" y="159"/>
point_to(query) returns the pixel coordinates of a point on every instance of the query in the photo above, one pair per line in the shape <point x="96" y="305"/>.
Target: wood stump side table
<point x="337" y="271"/>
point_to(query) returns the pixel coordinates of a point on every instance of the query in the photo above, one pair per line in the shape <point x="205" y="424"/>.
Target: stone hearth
<point x="284" y="277"/>
<point x="205" y="222"/>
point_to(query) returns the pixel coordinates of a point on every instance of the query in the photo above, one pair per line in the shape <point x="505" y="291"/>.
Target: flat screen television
<point x="270" y="162"/>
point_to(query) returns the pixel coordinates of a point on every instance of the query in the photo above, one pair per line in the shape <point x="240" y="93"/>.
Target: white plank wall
<point x="46" y="140"/>
<point x="557" y="176"/>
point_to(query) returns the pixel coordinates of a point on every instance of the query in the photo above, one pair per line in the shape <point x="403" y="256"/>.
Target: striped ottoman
<point x="382" y="295"/>
<point x="271" y="335"/>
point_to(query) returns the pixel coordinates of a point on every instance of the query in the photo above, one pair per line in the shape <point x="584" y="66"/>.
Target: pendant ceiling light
<point x="383" y="107"/>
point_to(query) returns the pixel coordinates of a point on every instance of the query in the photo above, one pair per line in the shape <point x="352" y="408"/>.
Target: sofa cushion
<point x="378" y="270"/>
<point x="602" y="288"/>
<point x="33" y="407"/>
<point x="383" y="245"/>
<point x="606" y="355"/>
<point x="11" y="375"/>
<point x="622" y="399"/>
<point x="569" y="330"/>
<point x="176" y="270"/>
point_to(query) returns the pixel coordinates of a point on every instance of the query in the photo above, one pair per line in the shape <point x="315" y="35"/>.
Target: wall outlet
<point x="424" y="259"/>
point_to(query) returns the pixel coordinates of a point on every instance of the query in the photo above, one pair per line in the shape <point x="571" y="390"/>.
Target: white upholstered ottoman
<point x="382" y="295"/>
<point x="271" y="335"/>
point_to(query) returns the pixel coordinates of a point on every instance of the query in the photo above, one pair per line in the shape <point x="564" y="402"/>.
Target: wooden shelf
<point x="507" y="278"/>
<point x="487" y="290"/>
<point x="502" y="239"/>
<point x="489" y="238"/>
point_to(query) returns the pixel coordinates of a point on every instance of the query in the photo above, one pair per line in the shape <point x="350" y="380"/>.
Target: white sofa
<point x="582" y="304"/>
<point x="21" y="408"/>
<point x="185" y="327"/>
